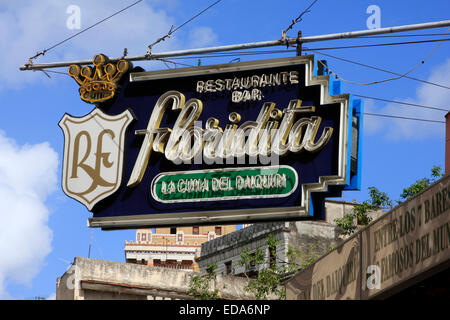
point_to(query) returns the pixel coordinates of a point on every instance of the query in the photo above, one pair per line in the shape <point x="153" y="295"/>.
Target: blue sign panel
<point x="233" y="143"/>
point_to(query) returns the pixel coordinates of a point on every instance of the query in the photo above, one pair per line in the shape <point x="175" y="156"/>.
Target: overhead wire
<point x="165" y="61"/>
<point x="172" y="30"/>
<point x="379" y="69"/>
<point x="377" y="45"/>
<point x="389" y="79"/>
<point x="402" y="35"/>
<point x="30" y="60"/>
<point x="403" y="103"/>
<point x="401" y="117"/>
<point x="266" y="52"/>
<point x="234" y="53"/>
<point x="299" y="18"/>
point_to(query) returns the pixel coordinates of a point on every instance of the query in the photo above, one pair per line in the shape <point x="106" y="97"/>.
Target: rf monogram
<point x="101" y="159"/>
<point x="93" y="155"/>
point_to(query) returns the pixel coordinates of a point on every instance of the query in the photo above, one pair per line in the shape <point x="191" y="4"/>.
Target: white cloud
<point x="27" y="177"/>
<point x="51" y="297"/>
<point x="30" y="26"/>
<point x="201" y="37"/>
<point x="426" y="95"/>
<point x="372" y="125"/>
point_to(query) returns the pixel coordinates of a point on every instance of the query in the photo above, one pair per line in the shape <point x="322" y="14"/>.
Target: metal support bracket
<point x="299" y="44"/>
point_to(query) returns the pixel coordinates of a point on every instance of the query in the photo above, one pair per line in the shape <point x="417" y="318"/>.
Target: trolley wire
<point x="172" y="30"/>
<point x="378" y="45"/>
<point x="268" y="52"/>
<point x="299" y="18"/>
<point x="41" y="53"/>
<point x="400" y="117"/>
<point x="389" y="79"/>
<point x="379" y="69"/>
<point x="401" y="35"/>
<point x="399" y="102"/>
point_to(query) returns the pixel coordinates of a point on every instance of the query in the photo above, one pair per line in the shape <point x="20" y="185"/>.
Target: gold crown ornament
<point x="99" y="84"/>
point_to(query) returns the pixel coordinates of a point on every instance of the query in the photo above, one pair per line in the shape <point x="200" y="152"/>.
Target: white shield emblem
<point x="93" y="155"/>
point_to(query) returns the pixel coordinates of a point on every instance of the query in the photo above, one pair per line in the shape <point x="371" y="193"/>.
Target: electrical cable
<point x="234" y="53"/>
<point x="165" y="61"/>
<point x="399" y="102"/>
<point x="30" y="60"/>
<point x="401" y="35"/>
<point x="172" y="31"/>
<point x="299" y="18"/>
<point x="400" y="117"/>
<point x="379" y="69"/>
<point x="377" y="45"/>
<point x="250" y="53"/>
<point x="389" y="79"/>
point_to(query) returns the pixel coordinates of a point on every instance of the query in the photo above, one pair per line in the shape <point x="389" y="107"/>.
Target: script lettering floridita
<point x="274" y="132"/>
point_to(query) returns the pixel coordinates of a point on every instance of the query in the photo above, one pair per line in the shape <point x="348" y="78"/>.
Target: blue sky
<point x="42" y="230"/>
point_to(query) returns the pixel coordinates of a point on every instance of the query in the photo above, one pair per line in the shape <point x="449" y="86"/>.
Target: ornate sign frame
<point x="154" y="163"/>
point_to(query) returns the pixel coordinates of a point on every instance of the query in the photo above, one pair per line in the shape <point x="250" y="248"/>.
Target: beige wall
<point x="92" y="279"/>
<point x="410" y="242"/>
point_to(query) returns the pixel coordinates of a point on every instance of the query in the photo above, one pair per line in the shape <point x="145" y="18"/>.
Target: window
<point x="228" y="269"/>
<point x="219" y="231"/>
<point x="138" y="237"/>
<point x="173" y="230"/>
<point x="272" y="257"/>
<point x="252" y="264"/>
<point x="144" y="237"/>
<point x="195" y="230"/>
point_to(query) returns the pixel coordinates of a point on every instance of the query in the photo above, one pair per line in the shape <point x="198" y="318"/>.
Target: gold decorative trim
<point x="99" y="84"/>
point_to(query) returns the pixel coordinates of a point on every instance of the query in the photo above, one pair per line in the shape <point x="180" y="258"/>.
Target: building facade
<point x="175" y="248"/>
<point x="92" y="279"/>
<point x="311" y="239"/>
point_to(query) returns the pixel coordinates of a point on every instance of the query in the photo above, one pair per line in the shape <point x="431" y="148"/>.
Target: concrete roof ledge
<point x="146" y="280"/>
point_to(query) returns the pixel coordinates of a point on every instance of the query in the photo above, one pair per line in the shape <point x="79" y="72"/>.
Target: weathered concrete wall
<point x="99" y="279"/>
<point x="104" y="295"/>
<point x="400" y="248"/>
<point x="308" y="239"/>
<point x="312" y="239"/>
<point x="337" y="209"/>
<point x="228" y="248"/>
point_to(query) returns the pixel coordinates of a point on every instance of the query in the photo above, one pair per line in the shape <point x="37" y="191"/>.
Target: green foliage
<point x="414" y="189"/>
<point x="293" y="255"/>
<point x="309" y="257"/>
<point x="251" y="259"/>
<point x="421" y="184"/>
<point x="298" y="260"/>
<point x="266" y="280"/>
<point x="199" y="286"/>
<point x="378" y="200"/>
<point x="436" y="173"/>
<point x="346" y="223"/>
